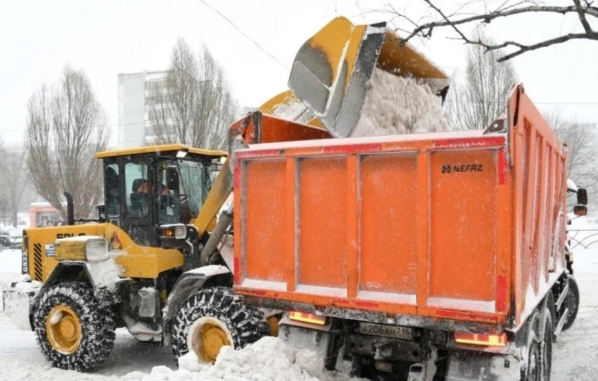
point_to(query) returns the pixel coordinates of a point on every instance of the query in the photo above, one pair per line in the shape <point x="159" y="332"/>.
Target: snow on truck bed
<point x="399" y="105"/>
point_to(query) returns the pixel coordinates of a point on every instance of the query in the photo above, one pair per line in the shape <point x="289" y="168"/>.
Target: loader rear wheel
<point x="572" y="303"/>
<point x="73" y="331"/>
<point x="213" y="318"/>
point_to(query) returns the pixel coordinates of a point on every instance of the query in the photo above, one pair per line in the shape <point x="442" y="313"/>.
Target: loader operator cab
<point x="147" y="187"/>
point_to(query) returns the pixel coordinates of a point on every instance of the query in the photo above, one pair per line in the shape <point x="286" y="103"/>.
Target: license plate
<point x="403" y="333"/>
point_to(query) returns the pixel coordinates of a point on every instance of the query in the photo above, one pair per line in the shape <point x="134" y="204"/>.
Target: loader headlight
<point x="82" y="248"/>
<point x="96" y="250"/>
<point x="180" y="232"/>
<point x="176" y="231"/>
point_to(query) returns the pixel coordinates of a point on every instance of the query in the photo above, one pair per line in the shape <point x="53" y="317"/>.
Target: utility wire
<point x="244" y="35"/>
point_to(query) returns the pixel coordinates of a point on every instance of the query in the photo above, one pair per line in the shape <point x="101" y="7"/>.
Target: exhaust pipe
<point x="70" y="211"/>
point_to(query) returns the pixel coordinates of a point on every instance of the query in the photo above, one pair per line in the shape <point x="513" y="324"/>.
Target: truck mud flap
<point x="476" y="366"/>
<point x="321" y="339"/>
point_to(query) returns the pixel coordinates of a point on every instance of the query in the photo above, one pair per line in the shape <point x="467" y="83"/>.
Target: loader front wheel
<point x="213" y="318"/>
<point x="73" y="331"/>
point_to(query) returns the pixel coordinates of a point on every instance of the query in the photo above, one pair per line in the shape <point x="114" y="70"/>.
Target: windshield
<point x="196" y="180"/>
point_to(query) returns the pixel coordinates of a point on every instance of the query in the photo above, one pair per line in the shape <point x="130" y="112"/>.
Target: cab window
<point x="112" y="189"/>
<point x="138" y="186"/>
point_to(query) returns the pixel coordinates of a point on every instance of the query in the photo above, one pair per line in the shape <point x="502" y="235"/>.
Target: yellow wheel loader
<point x="159" y="259"/>
<point x="139" y="265"/>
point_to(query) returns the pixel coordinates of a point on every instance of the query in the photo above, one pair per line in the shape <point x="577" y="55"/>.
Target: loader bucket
<point x="287" y="106"/>
<point x="332" y="70"/>
<point x="16" y="300"/>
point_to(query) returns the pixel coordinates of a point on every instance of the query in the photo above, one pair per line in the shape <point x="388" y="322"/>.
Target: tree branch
<point x="582" y="17"/>
<point x="453" y="21"/>
<point x="543" y="44"/>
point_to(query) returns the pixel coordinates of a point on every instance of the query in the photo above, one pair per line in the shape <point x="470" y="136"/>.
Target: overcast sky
<point x="108" y="37"/>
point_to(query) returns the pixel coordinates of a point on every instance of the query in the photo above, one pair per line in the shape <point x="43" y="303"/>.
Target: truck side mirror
<point x="580" y="210"/>
<point x="172" y="178"/>
<point x="582" y="196"/>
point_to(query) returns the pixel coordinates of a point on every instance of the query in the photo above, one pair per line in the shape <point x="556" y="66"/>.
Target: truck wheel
<point x="73" y="331"/>
<point x="539" y="349"/>
<point x="572" y="303"/>
<point x="213" y="318"/>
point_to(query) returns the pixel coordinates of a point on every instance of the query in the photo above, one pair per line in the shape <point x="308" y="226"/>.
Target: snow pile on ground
<point x="397" y="105"/>
<point x="267" y="359"/>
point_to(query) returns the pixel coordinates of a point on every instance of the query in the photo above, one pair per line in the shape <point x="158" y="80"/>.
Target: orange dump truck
<point x="434" y="256"/>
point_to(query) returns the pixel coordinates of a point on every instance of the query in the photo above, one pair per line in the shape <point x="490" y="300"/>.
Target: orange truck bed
<point x="459" y="228"/>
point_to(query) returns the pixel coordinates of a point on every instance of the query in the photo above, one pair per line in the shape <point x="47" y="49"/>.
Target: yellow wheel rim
<point x="63" y="329"/>
<point x="273" y="323"/>
<point x="208" y="338"/>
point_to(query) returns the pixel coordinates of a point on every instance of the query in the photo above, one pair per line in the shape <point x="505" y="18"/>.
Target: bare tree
<point x="66" y="126"/>
<point x="582" y="141"/>
<point x="473" y="12"/>
<point x="14" y="168"/>
<point x="194" y="104"/>
<point x="479" y="94"/>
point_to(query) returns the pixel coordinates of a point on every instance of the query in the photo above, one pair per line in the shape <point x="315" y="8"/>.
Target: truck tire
<point x="212" y="318"/>
<point x="572" y="303"/>
<point x="539" y="348"/>
<point x="73" y="331"/>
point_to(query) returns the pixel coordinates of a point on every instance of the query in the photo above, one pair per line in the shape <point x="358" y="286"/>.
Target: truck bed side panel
<point x="388" y="262"/>
<point x="540" y="211"/>
<point x="463" y="210"/>
<point x="322" y="225"/>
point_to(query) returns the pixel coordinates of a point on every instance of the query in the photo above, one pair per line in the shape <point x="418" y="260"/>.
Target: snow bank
<point x="267" y="359"/>
<point x="398" y="105"/>
<point x="190" y="362"/>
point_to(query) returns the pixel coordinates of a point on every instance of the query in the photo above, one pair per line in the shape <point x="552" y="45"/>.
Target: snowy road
<point x="575" y="353"/>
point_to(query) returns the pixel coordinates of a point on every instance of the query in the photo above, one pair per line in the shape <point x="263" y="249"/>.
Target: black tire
<point x="245" y="324"/>
<point x="539" y="348"/>
<point x="572" y="303"/>
<point x="97" y="325"/>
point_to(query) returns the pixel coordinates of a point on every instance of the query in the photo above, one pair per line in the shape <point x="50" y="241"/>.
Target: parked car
<point x="11" y="239"/>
